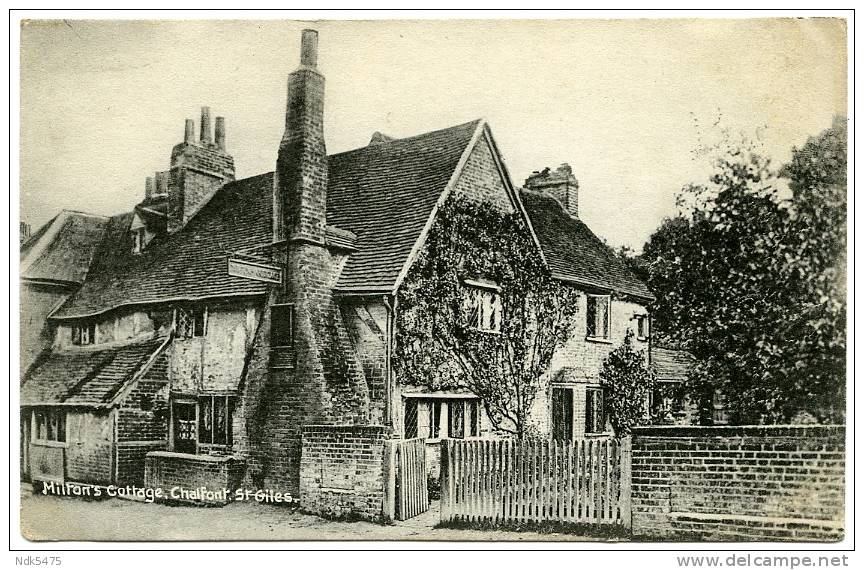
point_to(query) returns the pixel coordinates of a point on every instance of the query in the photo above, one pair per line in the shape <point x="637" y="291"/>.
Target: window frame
<point x="206" y="402"/>
<point x="84" y="334"/>
<point x="643" y="327"/>
<point x="138" y="237"/>
<point x="43" y="425"/>
<point x="595" y="395"/>
<point x="291" y="329"/>
<point x="435" y="409"/>
<point x="485" y="302"/>
<point x="192" y="310"/>
<point x="607" y="336"/>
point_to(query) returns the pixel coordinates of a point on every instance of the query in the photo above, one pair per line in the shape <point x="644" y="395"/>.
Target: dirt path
<point x="66" y="518"/>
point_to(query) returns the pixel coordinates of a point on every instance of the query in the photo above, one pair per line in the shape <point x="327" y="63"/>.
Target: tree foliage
<point x="438" y="346"/>
<point x="628" y="379"/>
<point x="751" y="283"/>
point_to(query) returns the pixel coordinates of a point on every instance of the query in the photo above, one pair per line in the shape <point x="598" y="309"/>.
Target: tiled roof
<point x="671" y="364"/>
<point x="85" y="377"/>
<point x="379" y="199"/>
<point x="574" y="253"/>
<point x="63" y="249"/>
<point x="190" y="264"/>
<point x="384" y="193"/>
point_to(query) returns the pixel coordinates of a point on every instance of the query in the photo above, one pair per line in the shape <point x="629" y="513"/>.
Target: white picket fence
<point x="583" y="481"/>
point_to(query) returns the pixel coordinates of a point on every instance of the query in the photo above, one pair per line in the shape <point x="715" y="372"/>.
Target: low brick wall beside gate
<point x="739" y="483"/>
<point x="342" y="471"/>
<point x="187" y="478"/>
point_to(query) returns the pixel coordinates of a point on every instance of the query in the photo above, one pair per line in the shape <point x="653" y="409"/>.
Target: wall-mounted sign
<point x="254" y="270"/>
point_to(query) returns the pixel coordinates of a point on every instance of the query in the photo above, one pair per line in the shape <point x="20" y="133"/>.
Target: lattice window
<point x="84" y="334"/>
<point x="190" y="322"/>
<point x="51" y="425"/>
<point x="410" y="424"/>
<point x="642" y="327"/>
<point x="214" y="420"/>
<point x="282" y="325"/>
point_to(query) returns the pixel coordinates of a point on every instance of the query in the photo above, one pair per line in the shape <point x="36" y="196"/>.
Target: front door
<point x="185" y="427"/>
<point x="562" y="414"/>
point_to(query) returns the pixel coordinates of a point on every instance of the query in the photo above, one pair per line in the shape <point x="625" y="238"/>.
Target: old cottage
<point x="201" y="332"/>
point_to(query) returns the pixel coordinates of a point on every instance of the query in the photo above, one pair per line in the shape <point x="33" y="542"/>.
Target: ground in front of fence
<point x="67" y="518"/>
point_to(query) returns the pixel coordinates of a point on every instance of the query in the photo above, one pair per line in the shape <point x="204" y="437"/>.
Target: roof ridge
<point x="408" y="138"/>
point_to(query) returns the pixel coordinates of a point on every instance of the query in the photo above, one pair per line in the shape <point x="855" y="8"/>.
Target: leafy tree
<point x="439" y="344"/>
<point x="747" y="281"/>
<point x="628" y="380"/>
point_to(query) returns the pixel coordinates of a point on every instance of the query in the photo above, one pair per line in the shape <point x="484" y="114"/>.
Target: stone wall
<point x="342" y="471"/>
<point x="739" y="483"/>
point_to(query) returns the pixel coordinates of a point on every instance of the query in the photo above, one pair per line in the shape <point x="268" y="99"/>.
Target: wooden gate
<point x="409" y="462"/>
<point x="582" y="481"/>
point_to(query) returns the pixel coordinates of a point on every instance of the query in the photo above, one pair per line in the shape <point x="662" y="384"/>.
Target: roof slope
<point x="85" y="377"/>
<point x="383" y="194"/>
<point x="63" y="249"/>
<point x="671" y="364"/>
<point x="190" y="264"/>
<point x="574" y="253"/>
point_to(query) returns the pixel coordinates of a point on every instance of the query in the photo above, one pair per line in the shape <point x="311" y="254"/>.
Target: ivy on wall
<point x="440" y="347"/>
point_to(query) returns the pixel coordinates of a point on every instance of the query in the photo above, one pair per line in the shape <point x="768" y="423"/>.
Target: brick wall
<point x="326" y="385"/>
<point x="342" y="471"/>
<point x="480" y="179"/>
<point x="739" y="483"/>
<point x="167" y="470"/>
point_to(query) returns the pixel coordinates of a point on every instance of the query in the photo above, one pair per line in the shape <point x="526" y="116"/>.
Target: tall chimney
<point x="206" y="134"/>
<point x="220" y="132"/>
<point x="560" y="184"/>
<point x="149" y="188"/>
<point x="300" y="183"/>
<point x="189" y="134"/>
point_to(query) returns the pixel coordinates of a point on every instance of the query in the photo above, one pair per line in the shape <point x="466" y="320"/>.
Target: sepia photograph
<point x="488" y="280"/>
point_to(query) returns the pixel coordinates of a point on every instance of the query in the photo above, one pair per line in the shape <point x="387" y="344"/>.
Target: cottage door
<point x="562" y="414"/>
<point x="185" y="437"/>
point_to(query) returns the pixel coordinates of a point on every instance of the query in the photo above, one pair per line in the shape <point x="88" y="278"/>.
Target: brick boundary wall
<point x="342" y="471"/>
<point x="739" y="483"/>
<point x="190" y="473"/>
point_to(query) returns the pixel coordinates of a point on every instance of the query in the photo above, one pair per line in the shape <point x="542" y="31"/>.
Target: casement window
<point x="484" y="306"/>
<point x="190" y="321"/>
<point x="50" y="425"/>
<point x="642" y="331"/>
<point x="282" y="325"/>
<point x="598" y="316"/>
<point x="214" y="420"/>
<point x="595" y="414"/>
<point x="562" y="414"/>
<point x="138" y="237"/>
<point x="436" y="418"/>
<point x="84" y="334"/>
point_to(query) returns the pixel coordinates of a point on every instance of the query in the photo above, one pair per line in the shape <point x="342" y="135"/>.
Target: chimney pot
<point x="206" y="133"/>
<point x="309" y="48"/>
<point x="161" y="183"/>
<point x="189" y="134"/>
<point x="149" y="188"/>
<point x="220" y="133"/>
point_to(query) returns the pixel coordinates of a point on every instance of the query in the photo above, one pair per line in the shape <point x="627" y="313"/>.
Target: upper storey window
<point x="138" y="238"/>
<point x="598" y="316"/>
<point x="84" y="334"/>
<point x="484" y="306"/>
<point x="190" y="322"/>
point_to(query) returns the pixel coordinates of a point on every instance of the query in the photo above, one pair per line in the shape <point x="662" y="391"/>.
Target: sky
<point x="103" y="102"/>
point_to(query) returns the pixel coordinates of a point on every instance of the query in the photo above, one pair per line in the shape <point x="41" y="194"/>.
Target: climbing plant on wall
<point x="628" y="379"/>
<point x="501" y="357"/>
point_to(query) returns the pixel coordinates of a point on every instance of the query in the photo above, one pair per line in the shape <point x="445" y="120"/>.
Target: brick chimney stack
<point x="198" y="169"/>
<point x="300" y="184"/>
<point x="560" y="184"/>
<point x="149" y="188"/>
